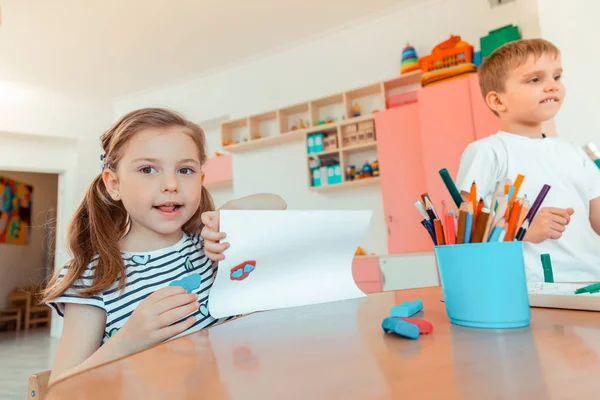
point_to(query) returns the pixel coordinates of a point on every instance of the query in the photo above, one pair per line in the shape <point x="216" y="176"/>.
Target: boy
<point x="521" y="84"/>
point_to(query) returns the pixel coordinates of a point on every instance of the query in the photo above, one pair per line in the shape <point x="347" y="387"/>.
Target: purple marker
<point x="537" y="203"/>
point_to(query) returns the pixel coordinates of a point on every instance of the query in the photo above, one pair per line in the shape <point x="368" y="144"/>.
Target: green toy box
<point x="497" y="38"/>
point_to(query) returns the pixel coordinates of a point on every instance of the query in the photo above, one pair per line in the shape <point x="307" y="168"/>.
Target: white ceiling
<point x="114" y="47"/>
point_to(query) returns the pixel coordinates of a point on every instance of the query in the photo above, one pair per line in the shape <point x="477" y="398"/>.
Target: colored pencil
<point x="488" y="228"/>
<point x="502" y="235"/>
<point x="462" y="221"/>
<point x="518" y="183"/>
<point x="482" y="222"/>
<point x="429" y="230"/>
<point x="500" y="210"/>
<point x="510" y="202"/>
<point x="473" y="195"/>
<point x="522" y="231"/>
<point x="439" y="232"/>
<point x="494" y="197"/>
<point x="450" y="229"/>
<point x="524" y="211"/>
<point x="469" y="223"/>
<point x="513" y="221"/>
<point x="451" y="186"/>
<point x="507" y="185"/>
<point x="497" y="229"/>
<point x="429" y="208"/>
<point x="537" y="203"/>
<point x="421" y="209"/>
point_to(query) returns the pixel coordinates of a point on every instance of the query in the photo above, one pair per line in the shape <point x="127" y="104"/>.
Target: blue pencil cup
<point x="484" y="284"/>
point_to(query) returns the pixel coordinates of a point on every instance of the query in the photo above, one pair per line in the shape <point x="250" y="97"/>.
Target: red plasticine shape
<point x="242" y="270"/>
<point x="424" y="326"/>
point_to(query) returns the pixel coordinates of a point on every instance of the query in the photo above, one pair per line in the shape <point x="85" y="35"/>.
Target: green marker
<point x="547" y="266"/>
<point x="451" y="187"/>
<point x="589" y="289"/>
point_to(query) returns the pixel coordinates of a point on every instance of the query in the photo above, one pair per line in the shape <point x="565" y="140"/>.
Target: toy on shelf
<point x="354" y="134"/>
<point x="497" y="38"/>
<point x="350" y="172"/>
<point x="360" y="252"/>
<point x="367" y="170"/>
<point x="410" y="61"/>
<point x="450" y="59"/>
<point x="356" y="111"/>
<point x="217" y="154"/>
<point x="330" y="142"/>
<point x="375" y="166"/>
<point x="314" y="162"/>
<point x="301" y="124"/>
<point x="229" y="142"/>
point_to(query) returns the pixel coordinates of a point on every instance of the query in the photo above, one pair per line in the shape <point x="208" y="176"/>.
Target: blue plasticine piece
<point x="407" y="309"/>
<point x="400" y="328"/>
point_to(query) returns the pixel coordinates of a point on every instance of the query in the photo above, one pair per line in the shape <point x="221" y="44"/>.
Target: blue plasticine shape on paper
<point x="189" y="283"/>
<point x="400" y="328"/>
<point x="406" y="309"/>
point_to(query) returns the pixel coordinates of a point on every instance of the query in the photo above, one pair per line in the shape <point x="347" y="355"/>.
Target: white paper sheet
<point x="302" y="257"/>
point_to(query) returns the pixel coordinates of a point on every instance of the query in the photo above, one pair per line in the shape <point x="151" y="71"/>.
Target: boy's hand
<point x="549" y="223"/>
<point x="212" y="237"/>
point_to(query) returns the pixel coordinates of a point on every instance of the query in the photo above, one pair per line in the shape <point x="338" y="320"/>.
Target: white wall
<point x="573" y="26"/>
<point x="24" y="265"/>
<point x="58" y="134"/>
<point x="338" y="61"/>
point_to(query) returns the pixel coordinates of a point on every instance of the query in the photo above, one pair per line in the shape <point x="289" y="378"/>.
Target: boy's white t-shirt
<point x="574" y="180"/>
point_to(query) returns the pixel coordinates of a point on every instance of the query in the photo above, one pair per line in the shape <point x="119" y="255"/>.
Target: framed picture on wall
<point x="15" y="211"/>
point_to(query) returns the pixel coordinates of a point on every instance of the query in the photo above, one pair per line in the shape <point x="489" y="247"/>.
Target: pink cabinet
<point x="446" y="123"/>
<point x="485" y="121"/>
<point x="218" y="171"/>
<point x="402" y="170"/>
<point x="367" y="275"/>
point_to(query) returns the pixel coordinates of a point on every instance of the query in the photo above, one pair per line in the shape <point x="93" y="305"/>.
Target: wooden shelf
<point x="250" y="127"/>
<point x="347" y="185"/>
<point x="323" y="127"/>
<point x="360" y="147"/>
<point x="355" y="120"/>
<point x="266" y="141"/>
<point x="324" y="153"/>
<point x="236" y="123"/>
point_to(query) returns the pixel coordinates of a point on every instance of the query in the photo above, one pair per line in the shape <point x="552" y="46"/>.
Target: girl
<point x="139" y="273"/>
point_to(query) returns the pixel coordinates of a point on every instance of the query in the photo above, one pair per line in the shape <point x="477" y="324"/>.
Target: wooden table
<point x="339" y="351"/>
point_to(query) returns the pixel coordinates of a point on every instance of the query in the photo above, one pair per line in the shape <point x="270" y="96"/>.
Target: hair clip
<point x="102" y="158"/>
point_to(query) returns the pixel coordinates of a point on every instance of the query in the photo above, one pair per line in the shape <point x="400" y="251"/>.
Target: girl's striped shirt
<point x="183" y="264"/>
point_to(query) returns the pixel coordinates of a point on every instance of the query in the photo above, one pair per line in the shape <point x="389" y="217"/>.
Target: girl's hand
<point x="549" y="223"/>
<point x="212" y="237"/>
<point x="153" y="321"/>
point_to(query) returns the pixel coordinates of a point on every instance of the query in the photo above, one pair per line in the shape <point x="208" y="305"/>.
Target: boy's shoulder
<point x="491" y="147"/>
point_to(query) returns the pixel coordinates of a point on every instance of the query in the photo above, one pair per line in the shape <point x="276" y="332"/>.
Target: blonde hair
<point x="100" y="221"/>
<point x="495" y="69"/>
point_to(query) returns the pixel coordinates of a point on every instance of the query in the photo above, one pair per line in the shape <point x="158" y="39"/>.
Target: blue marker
<point x="468" y="227"/>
